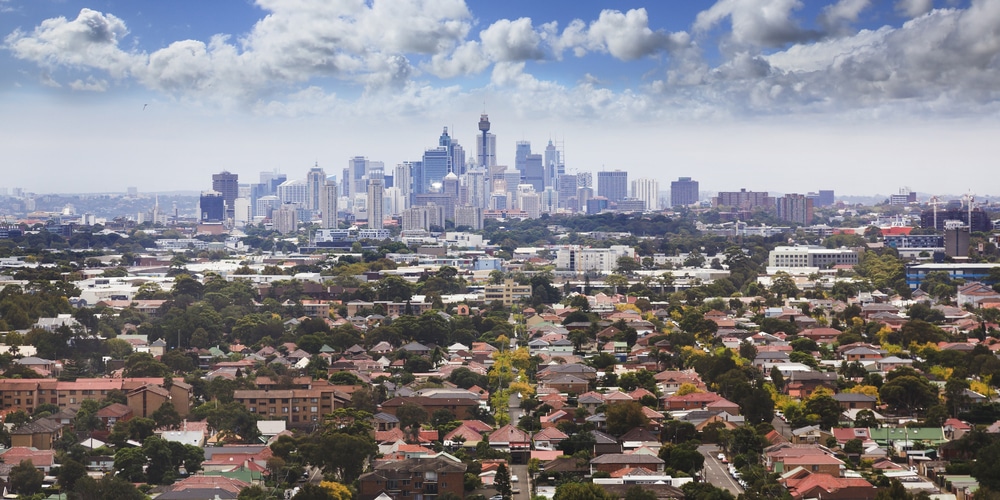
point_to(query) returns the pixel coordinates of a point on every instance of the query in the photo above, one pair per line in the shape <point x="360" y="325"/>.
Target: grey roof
<point x="623" y="458"/>
<point x="847" y="397"/>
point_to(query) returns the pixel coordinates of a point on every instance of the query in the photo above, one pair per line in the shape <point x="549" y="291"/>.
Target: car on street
<point x="513" y="478"/>
<point x="496" y="497"/>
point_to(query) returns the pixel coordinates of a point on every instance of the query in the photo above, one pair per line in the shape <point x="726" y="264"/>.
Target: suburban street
<point x="783" y="428"/>
<point x="715" y="472"/>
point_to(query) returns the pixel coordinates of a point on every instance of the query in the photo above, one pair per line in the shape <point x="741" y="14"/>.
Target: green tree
<point x="986" y="468"/>
<point x="636" y="492"/>
<point x="129" y="463"/>
<point x="25" y="479"/>
<point x="625" y="416"/>
<point x="502" y="482"/>
<point x="109" y="486"/>
<point x="581" y="491"/>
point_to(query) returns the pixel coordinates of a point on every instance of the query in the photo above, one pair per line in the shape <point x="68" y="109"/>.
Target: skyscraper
<point x="212" y="206"/>
<point x="487" y="146"/>
<point x="329" y="198"/>
<point x="477" y="187"/>
<point x="314" y="185"/>
<point x="796" y="208"/>
<point x="647" y="190"/>
<point x="683" y="192"/>
<point x="567" y="191"/>
<point x="612" y="185"/>
<point x="375" y="204"/>
<point x="228" y="185"/>
<point x="431" y="169"/>
<point x="403" y="180"/>
<point x="553" y="165"/>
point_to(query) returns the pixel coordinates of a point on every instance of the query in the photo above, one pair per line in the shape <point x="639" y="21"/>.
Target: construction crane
<point x="934" y="202"/>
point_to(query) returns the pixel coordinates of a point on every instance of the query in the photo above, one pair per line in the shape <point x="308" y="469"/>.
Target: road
<point x="523" y="484"/>
<point x="716" y="473"/>
<point x="783" y="428"/>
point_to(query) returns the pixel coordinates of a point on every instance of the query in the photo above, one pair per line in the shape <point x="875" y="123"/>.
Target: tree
<point x="69" y="473"/>
<point x="410" y="415"/>
<point x="866" y="419"/>
<point x="257" y="493"/>
<point x="625" y="416"/>
<point x="129" y="463"/>
<point x="986" y="469"/>
<point x="502" y="482"/>
<point x="109" y="486"/>
<point x="908" y="393"/>
<point x="25" y="479"/>
<point x="166" y="416"/>
<point x="636" y="492"/>
<point x="582" y="491"/>
<point x="826" y="409"/>
<point x="311" y="491"/>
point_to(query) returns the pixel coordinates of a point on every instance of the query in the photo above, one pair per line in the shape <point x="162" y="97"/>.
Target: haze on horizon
<point x="857" y="96"/>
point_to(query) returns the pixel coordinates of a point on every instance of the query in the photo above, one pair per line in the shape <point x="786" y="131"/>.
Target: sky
<point x="861" y="96"/>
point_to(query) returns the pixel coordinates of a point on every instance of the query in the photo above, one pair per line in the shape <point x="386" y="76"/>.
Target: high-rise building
<point x="286" y="219"/>
<point x="567" y="190"/>
<point x="648" y="191"/>
<point x="549" y="200"/>
<point x="212" y="206"/>
<point x="315" y="179"/>
<point x="797" y="208"/>
<point x="683" y="192"/>
<point x="521" y="151"/>
<point x="229" y="186"/>
<point x="585" y="179"/>
<point x="553" y="165"/>
<point x="431" y="170"/>
<point x="534" y="171"/>
<point x="476" y="188"/>
<point x="423" y="217"/>
<point x="329" y="199"/>
<point x="471" y="217"/>
<point x="612" y="185"/>
<point x="825" y="198"/>
<point x="743" y="199"/>
<point x="375" y="203"/>
<point x="294" y="191"/>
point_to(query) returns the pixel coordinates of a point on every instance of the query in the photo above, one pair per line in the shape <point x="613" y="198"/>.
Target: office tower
<point x="553" y="165"/>
<point x="431" y="170"/>
<point x="314" y="185"/>
<point x="531" y="166"/>
<point x="476" y="188"/>
<point x="394" y="201"/>
<point x="583" y="194"/>
<point x="743" y="199"/>
<point x="797" y="208"/>
<point x="329" y="199"/>
<point x="597" y="204"/>
<point x="294" y="191"/>
<point x="825" y="198"/>
<point x="403" y="180"/>
<point x="585" y="179"/>
<point x="375" y="203"/>
<point x="612" y="185"/>
<point x="357" y="169"/>
<point x="271" y="181"/>
<point x="511" y="179"/>
<point x="683" y="192"/>
<point x="521" y="151"/>
<point x="550" y="200"/>
<point x="266" y="205"/>
<point x="229" y="186"/>
<point x="647" y="190"/>
<point x="212" y="206"/>
<point x="286" y="219"/>
<point x="242" y="212"/>
<point x="567" y="190"/>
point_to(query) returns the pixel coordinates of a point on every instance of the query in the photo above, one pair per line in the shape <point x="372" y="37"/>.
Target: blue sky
<point x="861" y="96"/>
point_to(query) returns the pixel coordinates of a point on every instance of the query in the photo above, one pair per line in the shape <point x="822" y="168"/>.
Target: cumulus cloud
<point x="626" y="36"/>
<point x="511" y="41"/>
<point x="89" y="41"/>
<point x="836" y="16"/>
<point x="763" y="23"/>
<point x="914" y="8"/>
<point x="943" y="60"/>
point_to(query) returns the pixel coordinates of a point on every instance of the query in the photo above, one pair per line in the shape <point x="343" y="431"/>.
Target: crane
<point x="934" y="202"/>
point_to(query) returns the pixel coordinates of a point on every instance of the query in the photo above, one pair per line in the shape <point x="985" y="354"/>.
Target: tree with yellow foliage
<point x="337" y="491"/>
<point x="687" y="388"/>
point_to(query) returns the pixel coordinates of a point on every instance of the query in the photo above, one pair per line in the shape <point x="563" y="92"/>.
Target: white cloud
<point x="626" y="36"/>
<point x="914" y="8"/>
<point x="765" y="23"/>
<point x="511" y="41"/>
<point x="835" y="16"/>
<point x="90" y="85"/>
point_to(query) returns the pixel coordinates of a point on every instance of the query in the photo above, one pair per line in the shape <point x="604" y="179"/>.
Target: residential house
<point x="414" y="479"/>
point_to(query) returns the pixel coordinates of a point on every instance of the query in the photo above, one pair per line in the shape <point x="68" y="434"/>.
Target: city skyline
<point x="140" y="94"/>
